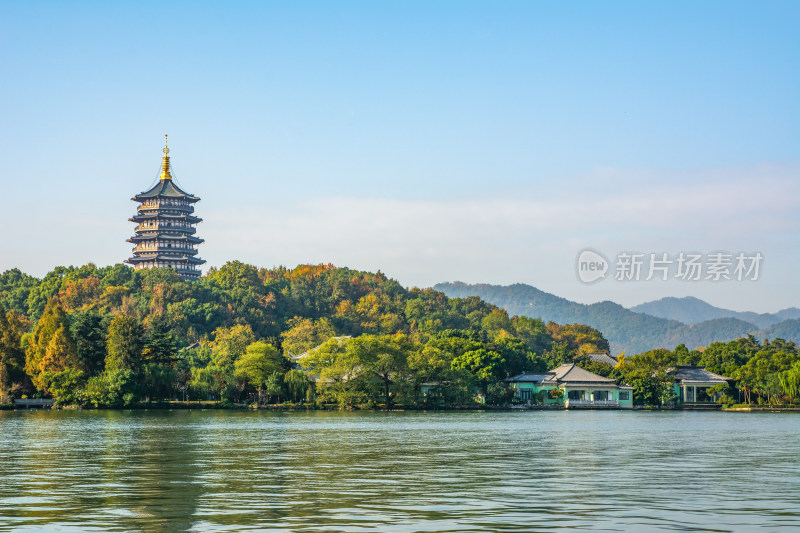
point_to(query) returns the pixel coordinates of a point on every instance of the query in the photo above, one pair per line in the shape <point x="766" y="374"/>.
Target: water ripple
<point x="398" y="472"/>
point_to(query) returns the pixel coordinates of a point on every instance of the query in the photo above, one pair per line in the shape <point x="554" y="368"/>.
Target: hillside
<point x="626" y="330"/>
<point x="787" y="330"/>
<point x="114" y="336"/>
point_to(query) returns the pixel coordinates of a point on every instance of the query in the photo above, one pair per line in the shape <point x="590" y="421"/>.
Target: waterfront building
<point x="692" y="384"/>
<point x="571" y="386"/>
<point x="165" y="230"/>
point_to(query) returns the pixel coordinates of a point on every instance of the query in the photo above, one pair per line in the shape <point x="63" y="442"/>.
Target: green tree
<point x="274" y="386"/>
<point x="230" y="343"/>
<point x="517" y="357"/>
<point x="12" y="356"/>
<point x="384" y="357"/>
<point x="66" y="386"/>
<point x="649" y="374"/>
<point x="158" y="381"/>
<point x="486" y="365"/>
<point x="338" y="373"/>
<point x="304" y="334"/>
<point x="89" y="331"/>
<point x="124" y="344"/>
<point x="160" y="346"/>
<point x="534" y="332"/>
<point x="257" y="364"/>
<point x="114" y="388"/>
<point x="497" y="323"/>
<point x="296" y="383"/>
<point x="790" y="381"/>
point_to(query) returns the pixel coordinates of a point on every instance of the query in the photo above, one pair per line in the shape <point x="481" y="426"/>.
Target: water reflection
<point x="318" y="471"/>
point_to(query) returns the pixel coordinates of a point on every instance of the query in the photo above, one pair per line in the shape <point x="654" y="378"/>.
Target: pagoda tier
<point x="164" y="259"/>
<point x="165" y="227"/>
<point x="165" y="218"/>
<point x="187" y="239"/>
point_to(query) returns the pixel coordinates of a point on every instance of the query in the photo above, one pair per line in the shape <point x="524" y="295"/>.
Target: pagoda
<point x="165" y="227"/>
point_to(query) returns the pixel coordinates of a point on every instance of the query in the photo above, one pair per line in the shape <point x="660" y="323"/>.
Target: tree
<point x="257" y="364"/>
<point x="760" y="373"/>
<point x="12" y="356"/>
<point x="52" y="320"/>
<point x="60" y="353"/>
<point x="648" y="373"/>
<point x="124" y="344"/>
<point x="305" y="333"/>
<point x="484" y="364"/>
<point x="296" y="383"/>
<point x="274" y="386"/>
<point x="517" y="357"/>
<point x="230" y="344"/>
<point x="89" y="331"/>
<point x="114" y="388"/>
<point x="160" y="346"/>
<point x="790" y="381"/>
<point x="497" y="322"/>
<point x="580" y="339"/>
<point x="534" y="332"/>
<point x="338" y="373"/>
<point x="66" y="386"/>
<point x="383" y="356"/>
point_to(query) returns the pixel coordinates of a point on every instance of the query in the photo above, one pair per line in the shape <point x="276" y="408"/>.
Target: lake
<point x="209" y="470"/>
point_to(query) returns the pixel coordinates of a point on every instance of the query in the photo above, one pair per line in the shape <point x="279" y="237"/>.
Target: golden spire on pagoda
<point x="165" y="174"/>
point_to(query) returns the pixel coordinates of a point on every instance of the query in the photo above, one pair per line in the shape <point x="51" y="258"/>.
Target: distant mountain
<point x="625" y="329"/>
<point x="790" y="313"/>
<point x="691" y="310"/>
<point x="786" y="330"/>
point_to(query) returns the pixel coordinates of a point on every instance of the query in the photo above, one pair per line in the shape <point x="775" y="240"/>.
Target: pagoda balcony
<point x="162" y="207"/>
<point x="165" y="227"/>
<point x="162" y="248"/>
<point x="181" y="269"/>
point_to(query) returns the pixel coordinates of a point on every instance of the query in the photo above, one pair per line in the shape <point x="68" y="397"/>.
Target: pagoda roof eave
<point x="165" y="189"/>
<point x="188" y="218"/>
<point x="159" y="257"/>
<point x="180" y="238"/>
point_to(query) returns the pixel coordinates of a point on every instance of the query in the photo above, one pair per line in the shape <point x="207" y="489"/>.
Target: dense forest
<point x="113" y="336"/>
<point x="314" y="335"/>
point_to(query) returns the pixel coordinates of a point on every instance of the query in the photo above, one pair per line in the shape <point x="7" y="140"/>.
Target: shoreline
<point x="204" y="406"/>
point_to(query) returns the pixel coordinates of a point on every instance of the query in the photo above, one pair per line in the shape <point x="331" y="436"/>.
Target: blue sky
<point x="436" y="141"/>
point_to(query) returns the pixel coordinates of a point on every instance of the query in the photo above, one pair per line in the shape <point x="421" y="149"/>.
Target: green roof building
<point x="165" y="232"/>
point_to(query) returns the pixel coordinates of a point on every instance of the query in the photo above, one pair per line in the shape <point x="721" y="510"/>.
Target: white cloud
<point x="532" y="237"/>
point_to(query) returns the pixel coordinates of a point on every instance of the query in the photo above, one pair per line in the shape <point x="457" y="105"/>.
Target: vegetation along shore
<point x="318" y="336"/>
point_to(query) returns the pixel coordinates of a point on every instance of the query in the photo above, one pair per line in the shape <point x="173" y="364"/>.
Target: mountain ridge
<point x="626" y="330"/>
<point x="691" y="310"/>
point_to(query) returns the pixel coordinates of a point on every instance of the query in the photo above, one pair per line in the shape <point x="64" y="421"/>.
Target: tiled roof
<point x="165" y="236"/>
<point x="602" y="358"/>
<point x="691" y="374"/>
<point x="529" y="377"/>
<point x="572" y="373"/>
<point x="165" y="188"/>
